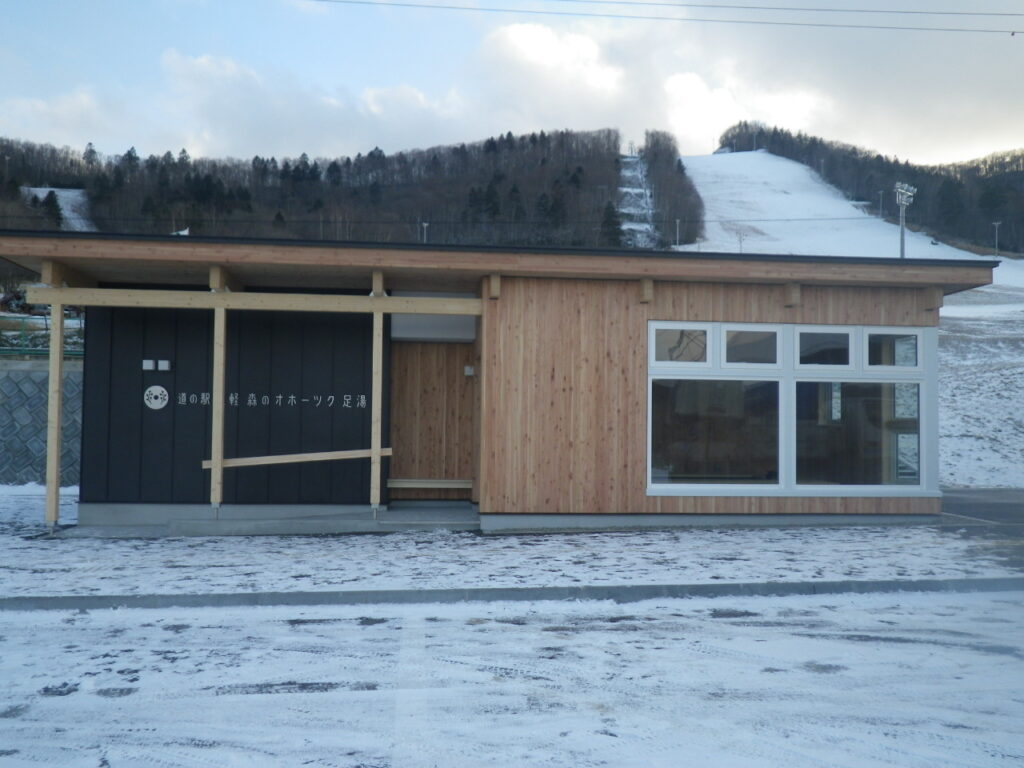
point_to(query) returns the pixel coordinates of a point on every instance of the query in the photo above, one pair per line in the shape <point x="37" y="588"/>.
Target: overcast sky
<point x="281" y="77"/>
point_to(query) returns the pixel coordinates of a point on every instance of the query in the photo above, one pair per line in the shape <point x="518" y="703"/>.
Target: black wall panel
<point x="296" y="383"/>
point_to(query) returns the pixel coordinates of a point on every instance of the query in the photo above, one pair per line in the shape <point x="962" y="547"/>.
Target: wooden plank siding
<point x="433" y="407"/>
<point x="564" y="390"/>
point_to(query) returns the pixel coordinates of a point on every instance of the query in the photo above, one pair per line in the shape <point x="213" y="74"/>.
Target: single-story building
<point x="552" y="388"/>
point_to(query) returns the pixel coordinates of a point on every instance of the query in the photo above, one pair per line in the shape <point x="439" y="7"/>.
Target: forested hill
<point x="958" y="202"/>
<point x="557" y="189"/>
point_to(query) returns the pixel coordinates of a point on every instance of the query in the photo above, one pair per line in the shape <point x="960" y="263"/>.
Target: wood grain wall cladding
<point x="564" y="399"/>
<point x="433" y="406"/>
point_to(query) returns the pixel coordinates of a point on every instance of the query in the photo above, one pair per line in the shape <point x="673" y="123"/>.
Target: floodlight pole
<point x="904" y="197"/>
<point x="996" y="225"/>
<point x="677" y="236"/>
<point x="425" y="225"/>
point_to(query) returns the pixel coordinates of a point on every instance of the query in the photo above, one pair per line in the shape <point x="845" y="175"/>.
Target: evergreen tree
<point x="611" y="227"/>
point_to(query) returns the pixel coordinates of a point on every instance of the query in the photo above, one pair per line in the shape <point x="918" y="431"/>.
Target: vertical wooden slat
<point x="217" y="413"/>
<point x="376" y="405"/>
<point x="54" y="412"/>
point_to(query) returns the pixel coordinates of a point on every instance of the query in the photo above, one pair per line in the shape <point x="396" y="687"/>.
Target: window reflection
<point x="709" y="431"/>
<point x="892" y="349"/>
<point x="750" y="347"/>
<point x="681" y="346"/>
<point x="857" y="433"/>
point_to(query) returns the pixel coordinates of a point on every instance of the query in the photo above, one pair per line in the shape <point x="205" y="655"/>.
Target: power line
<point x="785" y="9"/>
<point x="640" y="17"/>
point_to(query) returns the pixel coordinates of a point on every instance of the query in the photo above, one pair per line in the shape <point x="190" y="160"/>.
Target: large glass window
<point x="857" y="433"/>
<point x="789" y="409"/>
<point x="713" y="431"/>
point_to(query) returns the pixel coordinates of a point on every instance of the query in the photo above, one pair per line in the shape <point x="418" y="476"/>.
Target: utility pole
<point x="677" y="233"/>
<point x="904" y="197"/>
<point x="880" y="193"/>
<point x="996" y="225"/>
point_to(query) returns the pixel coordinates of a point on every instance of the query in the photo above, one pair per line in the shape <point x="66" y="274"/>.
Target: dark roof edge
<point x="512" y="250"/>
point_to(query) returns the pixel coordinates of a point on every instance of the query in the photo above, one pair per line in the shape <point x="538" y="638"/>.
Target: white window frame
<point x="787" y="372"/>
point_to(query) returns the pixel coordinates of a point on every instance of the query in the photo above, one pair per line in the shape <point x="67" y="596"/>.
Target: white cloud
<point x="693" y="80"/>
<point x="62" y="120"/>
<point x="698" y="113"/>
<point x="569" y="59"/>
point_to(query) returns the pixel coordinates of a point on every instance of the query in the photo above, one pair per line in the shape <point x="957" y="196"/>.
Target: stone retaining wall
<point x="23" y="421"/>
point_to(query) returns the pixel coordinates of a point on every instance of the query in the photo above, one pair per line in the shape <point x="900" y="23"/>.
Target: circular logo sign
<point x="155" y="397"/>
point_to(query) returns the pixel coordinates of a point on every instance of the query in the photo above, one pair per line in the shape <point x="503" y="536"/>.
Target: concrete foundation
<point x="516" y="523"/>
<point x="157" y="520"/>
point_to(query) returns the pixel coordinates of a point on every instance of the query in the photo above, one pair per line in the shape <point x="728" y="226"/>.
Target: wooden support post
<point x="57" y="275"/>
<point x="54" y="413"/>
<point x="494" y="286"/>
<point x="792" y="294"/>
<point x="217" y="397"/>
<point x="378" y="283"/>
<point x="376" y="407"/>
<point x="646" y="291"/>
<point x="221" y="280"/>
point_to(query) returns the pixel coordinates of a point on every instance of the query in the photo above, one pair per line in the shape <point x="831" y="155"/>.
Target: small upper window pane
<point x="685" y="345"/>
<point x="898" y="349"/>
<point x="750" y="347"/>
<point x="824" y="348"/>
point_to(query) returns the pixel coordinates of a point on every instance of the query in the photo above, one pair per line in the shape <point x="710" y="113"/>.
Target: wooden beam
<point x="54" y="414"/>
<point x="280" y="302"/>
<point x="221" y="280"/>
<point x="57" y="275"/>
<point x="309" y="258"/>
<point x="792" y="294"/>
<point x="217" y="397"/>
<point x="296" y="458"/>
<point x="378" y="283"/>
<point x="646" y="291"/>
<point x="429" y="483"/>
<point x="376" y="409"/>
<point x="494" y="286"/>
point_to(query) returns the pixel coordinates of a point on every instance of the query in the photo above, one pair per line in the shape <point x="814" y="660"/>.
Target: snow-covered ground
<point x="909" y="681"/>
<point x="74" y="207"/>
<point x="446" y="560"/>
<point x="756" y="202"/>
